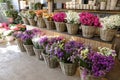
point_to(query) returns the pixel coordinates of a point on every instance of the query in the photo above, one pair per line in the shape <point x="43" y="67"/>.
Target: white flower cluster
<point x="106" y="51"/>
<point x="72" y="17"/>
<point x="111" y="22"/>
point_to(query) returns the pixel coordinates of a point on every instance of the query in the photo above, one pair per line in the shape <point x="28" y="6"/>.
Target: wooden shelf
<point x="94" y="42"/>
<point x="94" y="11"/>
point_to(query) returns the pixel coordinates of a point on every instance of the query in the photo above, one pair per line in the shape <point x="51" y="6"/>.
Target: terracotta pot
<point x="72" y="28"/>
<point x="68" y="68"/>
<point x="107" y="35"/>
<point x="38" y="53"/>
<point x="60" y="26"/>
<point x="20" y="45"/>
<point x="88" y="31"/>
<point x="29" y="50"/>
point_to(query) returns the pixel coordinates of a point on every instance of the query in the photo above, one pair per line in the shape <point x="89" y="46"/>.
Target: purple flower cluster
<point x="100" y="64"/>
<point x="43" y="41"/>
<point x="68" y="53"/>
<point x="89" y="19"/>
<point x="59" y="17"/>
<point x="17" y="34"/>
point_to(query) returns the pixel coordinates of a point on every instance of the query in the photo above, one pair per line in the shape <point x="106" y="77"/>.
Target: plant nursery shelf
<point x="93" y="42"/>
<point x="94" y="11"/>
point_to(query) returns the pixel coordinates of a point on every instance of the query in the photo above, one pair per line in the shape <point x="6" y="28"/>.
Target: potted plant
<point x="40" y="20"/>
<point x="68" y="55"/>
<point x="95" y="65"/>
<point x="49" y="56"/>
<point x="72" y="22"/>
<point x="18" y="30"/>
<point x="38" y="49"/>
<point x="24" y="17"/>
<point x="27" y="40"/>
<point x="59" y="19"/>
<point x="37" y="6"/>
<point x="11" y="14"/>
<point x="89" y="23"/>
<point x="110" y="25"/>
<point x="49" y="21"/>
<point x="31" y="17"/>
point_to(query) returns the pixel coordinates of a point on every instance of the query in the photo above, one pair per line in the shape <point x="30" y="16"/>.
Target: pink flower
<point x="89" y="19"/>
<point x="59" y="17"/>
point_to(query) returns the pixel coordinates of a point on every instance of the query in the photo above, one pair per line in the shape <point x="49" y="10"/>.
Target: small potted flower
<point x="49" y="56"/>
<point x="38" y="49"/>
<point x="40" y="21"/>
<point x="59" y="19"/>
<point x="49" y="21"/>
<point x="68" y="55"/>
<point x="110" y="25"/>
<point x="27" y="40"/>
<point x="24" y="17"/>
<point x="89" y="22"/>
<point x="72" y="22"/>
<point x="31" y="17"/>
<point x="95" y="65"/>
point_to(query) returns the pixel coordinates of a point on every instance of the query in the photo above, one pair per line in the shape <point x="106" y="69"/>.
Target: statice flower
<point x="18" y="34"/>
<point x="43" y="41"/>
<point x="89" y="19"/>
<point x="59" y="17"/>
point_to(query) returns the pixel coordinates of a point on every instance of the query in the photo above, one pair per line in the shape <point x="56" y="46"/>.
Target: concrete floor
<point x="15" y="65"/>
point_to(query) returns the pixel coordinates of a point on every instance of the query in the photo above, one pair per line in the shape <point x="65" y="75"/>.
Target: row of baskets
<point x="87" y="31"/>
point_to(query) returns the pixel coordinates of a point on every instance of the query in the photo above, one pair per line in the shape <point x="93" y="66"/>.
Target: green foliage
<point x="30" y="14"/>
<point x="11" y="13"/>
<point x="37" y="6"/>
<point x="18" y="20"/>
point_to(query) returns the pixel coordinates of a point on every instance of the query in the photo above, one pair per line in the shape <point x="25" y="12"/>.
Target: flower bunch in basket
<point x="96" y="64"/>
<point x="48" y="17"/>
<point x="18" y="27"/>
<point x="39" y="13"/>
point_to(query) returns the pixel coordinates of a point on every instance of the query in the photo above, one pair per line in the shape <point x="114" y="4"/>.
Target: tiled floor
<point x="15" y="65"/>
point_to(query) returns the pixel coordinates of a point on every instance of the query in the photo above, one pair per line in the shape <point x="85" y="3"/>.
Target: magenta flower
<point x="59" y="17"/>
<point x="89" y="19"/>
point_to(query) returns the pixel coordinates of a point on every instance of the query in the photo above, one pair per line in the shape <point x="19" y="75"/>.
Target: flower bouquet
<point x="68" y="55"/>
<point x="49" y="56"/>
<point x="59" y="19"/>
<point x="38" y="49"/>
<point x="27" y="40"/>
<point x="24" y="17"/>
<point x="31" y="17"/>
<point x="89" y="24"/>
<point x="72" y="22"/>
<point x="95" y="65"/>
<point x="40" y="21"/>
<point x="18" y="27"/>
<point x="49" y="20"/>
<point x="110" y="25"/>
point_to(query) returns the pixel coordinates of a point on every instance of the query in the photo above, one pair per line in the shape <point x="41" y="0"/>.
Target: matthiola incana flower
<point x="72" y="17"/>
<point x="59" y="17"/>
<point x="111" y="22"/>
<point x="89" y="19"/>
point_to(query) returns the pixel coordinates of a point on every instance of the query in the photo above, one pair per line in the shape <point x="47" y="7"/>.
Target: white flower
<point x="72" y="17"/>
<point x="111" y="22"/>
<point x="8" y="32"/>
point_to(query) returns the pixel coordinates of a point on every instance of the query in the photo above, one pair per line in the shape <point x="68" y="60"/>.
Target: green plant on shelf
<point x="30" y="14"/>
<point x="11" y="14"/>
<point x="37" y="6"/>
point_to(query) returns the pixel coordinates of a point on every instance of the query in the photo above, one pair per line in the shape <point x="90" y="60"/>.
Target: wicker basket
<point x="41" y="23"/>
<point x="60" y="26"/>
<point x="107" y="35"/>
<point x="20" y="45"/>
<point x="49" y="24"/>
<point x="68" y="69"/>
<point x="84" y="76"/>
<point x="25" y="21"/>
<point x="88" y="31"/>
<point x="51" y="62"/>
<point x="29" y="50"/>
<point x="32" y="22"/>
<point x="38" y="53"/>
<point x="72" y="28"/>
